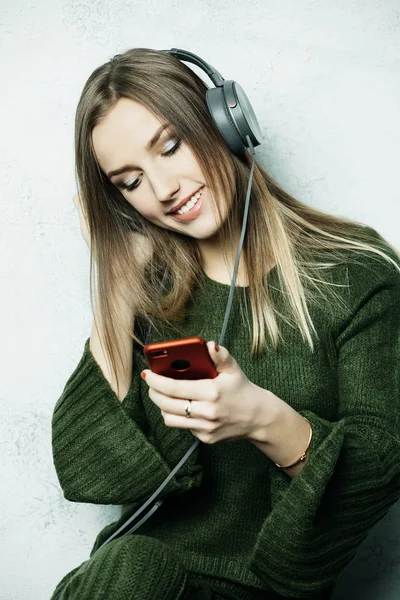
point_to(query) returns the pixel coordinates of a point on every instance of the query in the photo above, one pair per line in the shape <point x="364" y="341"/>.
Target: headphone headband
<point x="213" y="74"/>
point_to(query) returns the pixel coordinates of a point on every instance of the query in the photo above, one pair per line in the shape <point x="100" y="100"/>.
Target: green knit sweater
<point x="230" y="513"/>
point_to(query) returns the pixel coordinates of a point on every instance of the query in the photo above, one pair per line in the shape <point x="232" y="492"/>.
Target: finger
<point x="174" y="406"/>
<point x="78" y="203"/>
<point x="177" y="422"/>
<point x="198" y="389"/>
<point x="222" y="359"/>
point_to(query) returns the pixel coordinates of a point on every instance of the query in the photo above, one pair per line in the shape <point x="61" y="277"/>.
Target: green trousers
<point x="140" y="568"/>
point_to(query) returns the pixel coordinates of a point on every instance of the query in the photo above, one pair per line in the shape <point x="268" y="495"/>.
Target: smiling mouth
<point x="189" y="213"/>
<point x="189" y="204"/>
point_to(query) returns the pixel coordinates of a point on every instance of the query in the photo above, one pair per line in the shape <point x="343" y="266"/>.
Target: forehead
<point x="127" y="128"/>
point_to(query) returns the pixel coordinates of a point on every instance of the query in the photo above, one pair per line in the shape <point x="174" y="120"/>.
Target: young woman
<point x="299" y="431"/>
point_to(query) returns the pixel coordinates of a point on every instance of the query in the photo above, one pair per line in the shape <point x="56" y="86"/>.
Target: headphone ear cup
<point x="242" y="113"/>
<point x="223" y="120"/>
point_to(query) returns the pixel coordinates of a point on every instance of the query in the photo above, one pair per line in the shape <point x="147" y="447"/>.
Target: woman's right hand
<point x="141" y="246"/>
<point x="82" y="219"/>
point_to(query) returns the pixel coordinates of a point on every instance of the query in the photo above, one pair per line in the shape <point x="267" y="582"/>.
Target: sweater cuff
<point x="167" y="449"/>
<point x="294" y="501"/>
<point x="100" y="452"/>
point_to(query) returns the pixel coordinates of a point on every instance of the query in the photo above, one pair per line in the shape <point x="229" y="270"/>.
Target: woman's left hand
<point x="224" y="408"/>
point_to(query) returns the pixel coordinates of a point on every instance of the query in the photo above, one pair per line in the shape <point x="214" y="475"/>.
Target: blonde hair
<point x="281" y="230"/>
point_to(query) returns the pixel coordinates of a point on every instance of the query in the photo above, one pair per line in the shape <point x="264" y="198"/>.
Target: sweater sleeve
<point x="352" y="477"/>
<point x="102" y="448"/>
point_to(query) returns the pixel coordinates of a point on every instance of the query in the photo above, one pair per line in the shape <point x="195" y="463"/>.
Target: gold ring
<point x="188" y="408"/>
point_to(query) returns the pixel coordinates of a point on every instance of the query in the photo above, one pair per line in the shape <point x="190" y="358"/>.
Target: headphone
<point x="228" y="105"/>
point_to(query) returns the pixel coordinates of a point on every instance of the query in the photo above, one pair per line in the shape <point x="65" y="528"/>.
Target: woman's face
<point x="158" y="174"/>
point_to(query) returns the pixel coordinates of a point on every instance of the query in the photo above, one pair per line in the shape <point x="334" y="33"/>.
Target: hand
<point x="82" y="219"/>
<point x="141" y="246"/>
<point x="224" y="408"/>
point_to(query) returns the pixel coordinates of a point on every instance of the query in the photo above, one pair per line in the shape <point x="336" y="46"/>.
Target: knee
<point x="134" y="547"/>
<point x="132" y="567"/>
<point x="141" y="555"/>
<point x="142" y="564"/>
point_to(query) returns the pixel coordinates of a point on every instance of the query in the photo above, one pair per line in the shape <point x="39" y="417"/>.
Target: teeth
<point x="189" y="204"/>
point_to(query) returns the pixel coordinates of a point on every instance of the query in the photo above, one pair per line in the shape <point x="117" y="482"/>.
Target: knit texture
<point x="230" y="514"/>
<point x="128" y="569"/>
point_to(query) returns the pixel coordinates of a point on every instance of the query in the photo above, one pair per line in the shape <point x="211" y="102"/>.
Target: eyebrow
<point x="149" y="146"/>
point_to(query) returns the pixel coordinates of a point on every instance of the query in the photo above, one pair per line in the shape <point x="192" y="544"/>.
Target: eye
<point x="130" y="187"/>
<point x="135" y="184"/>
<point x="174" y="148"/>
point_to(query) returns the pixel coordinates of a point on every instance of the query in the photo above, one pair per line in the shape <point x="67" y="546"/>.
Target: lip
<point x="192" y="214"/>
<point x="177" y="207"/>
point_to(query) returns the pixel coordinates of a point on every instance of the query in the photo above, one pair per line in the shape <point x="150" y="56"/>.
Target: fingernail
<point x="143" y="375"/>
<point x="216" y="347"/>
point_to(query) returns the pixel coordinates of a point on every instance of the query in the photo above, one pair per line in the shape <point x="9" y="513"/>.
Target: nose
<point x="165" y="186"/>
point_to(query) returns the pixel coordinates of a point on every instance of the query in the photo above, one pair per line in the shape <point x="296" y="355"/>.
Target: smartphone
<point x="186" y="358"/>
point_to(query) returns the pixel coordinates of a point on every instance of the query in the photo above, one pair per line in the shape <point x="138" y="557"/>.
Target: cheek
<point x="189" y="162"/>
<point x="149" y="211"/>
<point x="142" y="206"/>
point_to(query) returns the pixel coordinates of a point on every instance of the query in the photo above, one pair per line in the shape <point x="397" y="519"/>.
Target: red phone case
<point x="186" y="358"/>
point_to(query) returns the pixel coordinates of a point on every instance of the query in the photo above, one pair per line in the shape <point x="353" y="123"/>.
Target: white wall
<point x="324" y="79"/>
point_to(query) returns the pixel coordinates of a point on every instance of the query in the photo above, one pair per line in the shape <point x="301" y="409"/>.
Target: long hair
<point x="302" y="241"/>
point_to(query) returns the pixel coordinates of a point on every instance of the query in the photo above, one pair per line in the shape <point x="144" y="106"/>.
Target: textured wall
<point x="324" y="80"/>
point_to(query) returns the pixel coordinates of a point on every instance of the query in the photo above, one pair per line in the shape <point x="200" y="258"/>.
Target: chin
<point x="203" y="232"/>
<point x="201" y="229"/>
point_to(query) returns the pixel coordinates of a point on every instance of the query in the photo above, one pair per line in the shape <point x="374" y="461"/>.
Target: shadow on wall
<point x="374" y="573"/>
